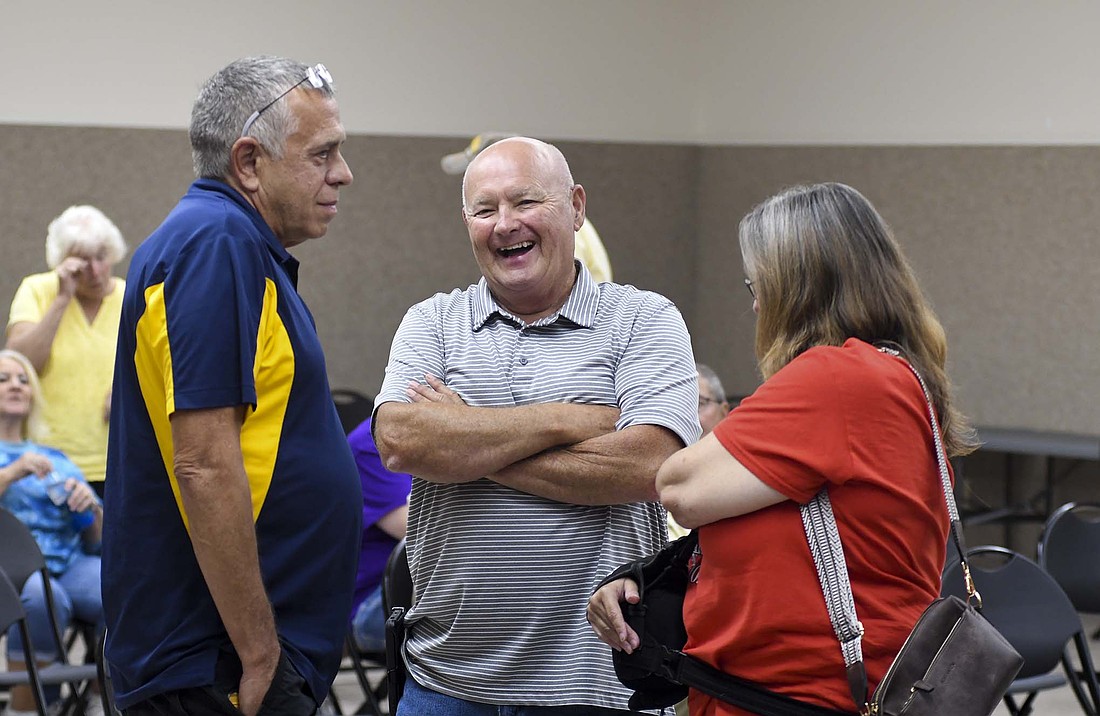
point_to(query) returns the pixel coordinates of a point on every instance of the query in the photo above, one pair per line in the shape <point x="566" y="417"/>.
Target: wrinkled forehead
<point x="515" y="166"/>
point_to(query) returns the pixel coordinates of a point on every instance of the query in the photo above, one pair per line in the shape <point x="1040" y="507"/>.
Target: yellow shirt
<point x="78" y="375"/>
<point x="589" y="249"/>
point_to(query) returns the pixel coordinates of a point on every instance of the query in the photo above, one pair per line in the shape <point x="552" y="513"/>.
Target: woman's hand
<point x="31" y="463"/>
<point x="606" y="616"/>
<point x="81" y="495"/>
<point x="68" y="273"/>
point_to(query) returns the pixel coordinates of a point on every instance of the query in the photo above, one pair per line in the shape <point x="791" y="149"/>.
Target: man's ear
<point x="577" y="199"/>
<point x="242" y="162"/>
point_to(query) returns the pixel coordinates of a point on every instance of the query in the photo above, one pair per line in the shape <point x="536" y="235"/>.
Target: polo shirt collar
<point x="278" y="251"/>
<point x="580" y="307"/>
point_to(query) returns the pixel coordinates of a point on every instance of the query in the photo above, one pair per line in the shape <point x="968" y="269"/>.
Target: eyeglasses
<point x="318" y="76"/>
<point x="748" y="285"/>
<point x="704" y="401"/>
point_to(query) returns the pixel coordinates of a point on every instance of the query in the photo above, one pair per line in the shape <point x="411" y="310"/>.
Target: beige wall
<point x="704" y="71"/>
<point x="398" y="239"/>
<point x="1004" y="240"/>
<point x="678" y="115"/>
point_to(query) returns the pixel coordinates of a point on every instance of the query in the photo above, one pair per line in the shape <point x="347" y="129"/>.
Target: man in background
<point x="713" y="405"/>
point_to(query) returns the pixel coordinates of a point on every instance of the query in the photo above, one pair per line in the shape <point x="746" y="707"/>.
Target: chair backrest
<point x="397" y="586"/>
<point x="20" y="557"/>
<point x="11" y="612"/>
<point x="397" y="598"/>
<point x="1024" y="602"/>
<point x="352" y="406"/>
<point x="1068" y="550"/>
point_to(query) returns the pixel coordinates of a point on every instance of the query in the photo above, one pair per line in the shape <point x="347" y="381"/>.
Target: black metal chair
<point x="20" y="557"/>
<point x="11" y="612"/>
<point x="1029" y="608"/>
<point x="361" y="663"/>
<point x="352" y="406"/>
<point x="1068" y="550"/>
<point x="397" y="598"/>
<point x="106" y="689"/>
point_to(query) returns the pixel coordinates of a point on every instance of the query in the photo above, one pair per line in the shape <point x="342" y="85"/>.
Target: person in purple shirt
<point x="385" y="514"/>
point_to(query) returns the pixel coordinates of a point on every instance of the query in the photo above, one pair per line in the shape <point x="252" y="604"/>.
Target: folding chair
<point x="397" y="598"/>
<point x="1029" y="608"/>
<point x="361" y="661"/>
<point x="352" y="406"/>
<point x="1068" y="550"/>
<point x="20" y="557"/>
<point x="11" y="612"/>
<point x="106" y="690"/>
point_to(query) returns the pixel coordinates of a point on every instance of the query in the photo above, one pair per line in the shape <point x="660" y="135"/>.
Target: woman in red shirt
<point x="829" y="285"/>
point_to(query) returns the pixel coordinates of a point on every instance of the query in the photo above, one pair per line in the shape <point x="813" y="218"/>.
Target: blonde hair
<point x="34" y="428"/>
<point x="84" y="227"/>
<point x="826" y="268"/>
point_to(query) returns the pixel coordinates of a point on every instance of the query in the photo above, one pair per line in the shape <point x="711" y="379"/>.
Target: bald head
<point x="521" y="210"/>
<point x="543" y="159"/>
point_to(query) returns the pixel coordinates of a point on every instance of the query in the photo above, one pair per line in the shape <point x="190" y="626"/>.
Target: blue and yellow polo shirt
<point x="212" y="318"/>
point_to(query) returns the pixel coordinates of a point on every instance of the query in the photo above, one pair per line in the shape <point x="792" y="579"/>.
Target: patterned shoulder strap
<point x="819" y="524"/>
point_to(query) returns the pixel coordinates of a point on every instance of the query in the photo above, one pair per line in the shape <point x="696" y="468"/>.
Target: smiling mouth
<point x="516" y="249"/>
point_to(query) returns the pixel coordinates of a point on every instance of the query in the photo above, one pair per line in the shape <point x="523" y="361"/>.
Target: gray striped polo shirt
<point x="502" y="577"/>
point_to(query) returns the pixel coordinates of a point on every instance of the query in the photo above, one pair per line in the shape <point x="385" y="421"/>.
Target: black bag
<point x="954" y="661"/>
<point x="658" y="671"/>
<point x="658" y="619"/>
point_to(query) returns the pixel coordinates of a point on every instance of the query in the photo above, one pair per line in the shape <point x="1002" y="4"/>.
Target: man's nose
<point x="340" y="174"/>
<point x="507" y="220"/>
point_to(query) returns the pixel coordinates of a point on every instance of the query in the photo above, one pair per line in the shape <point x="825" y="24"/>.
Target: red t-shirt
<point x="856" y="420"/>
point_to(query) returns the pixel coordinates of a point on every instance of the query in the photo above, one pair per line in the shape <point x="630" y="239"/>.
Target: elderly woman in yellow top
<point x="66" y="322"/>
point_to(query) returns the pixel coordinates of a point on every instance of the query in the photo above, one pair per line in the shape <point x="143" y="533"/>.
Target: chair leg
<point x="370" y="704"/>
<point x="335" y="701"/>
<point x="1026" y="707"/>
<point x="1019" y="709"/>
<point x="1090" y="701"/>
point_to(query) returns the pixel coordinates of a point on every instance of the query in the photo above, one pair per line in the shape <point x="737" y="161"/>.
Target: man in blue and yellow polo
<point x="232" y="522"/>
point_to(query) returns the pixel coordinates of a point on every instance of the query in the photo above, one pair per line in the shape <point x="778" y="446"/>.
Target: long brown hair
<point x="825" y="268"/>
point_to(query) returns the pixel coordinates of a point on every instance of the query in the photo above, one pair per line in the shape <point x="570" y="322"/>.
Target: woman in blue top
<point x="67" y="533"/>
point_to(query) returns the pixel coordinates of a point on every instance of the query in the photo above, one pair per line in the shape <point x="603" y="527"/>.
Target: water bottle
<point x="59" y="495"/>
<point x="55" y="488"/>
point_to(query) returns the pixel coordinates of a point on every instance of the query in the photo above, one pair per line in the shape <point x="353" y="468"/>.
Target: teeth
<point x="516" y="247"/>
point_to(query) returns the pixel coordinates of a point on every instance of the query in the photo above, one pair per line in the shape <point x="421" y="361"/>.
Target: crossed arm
<point x="565" y="452"/>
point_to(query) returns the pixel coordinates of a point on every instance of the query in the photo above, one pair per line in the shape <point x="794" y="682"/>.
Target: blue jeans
<point x="368" y="626"/>
<point x="76" y="593"/>
<point x="419" y="701"/>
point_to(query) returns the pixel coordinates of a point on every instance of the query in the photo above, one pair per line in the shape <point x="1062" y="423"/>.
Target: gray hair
<point x="83" y="227"/>
<point x="226" y="101"/>
<point x="714" y="385"/>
